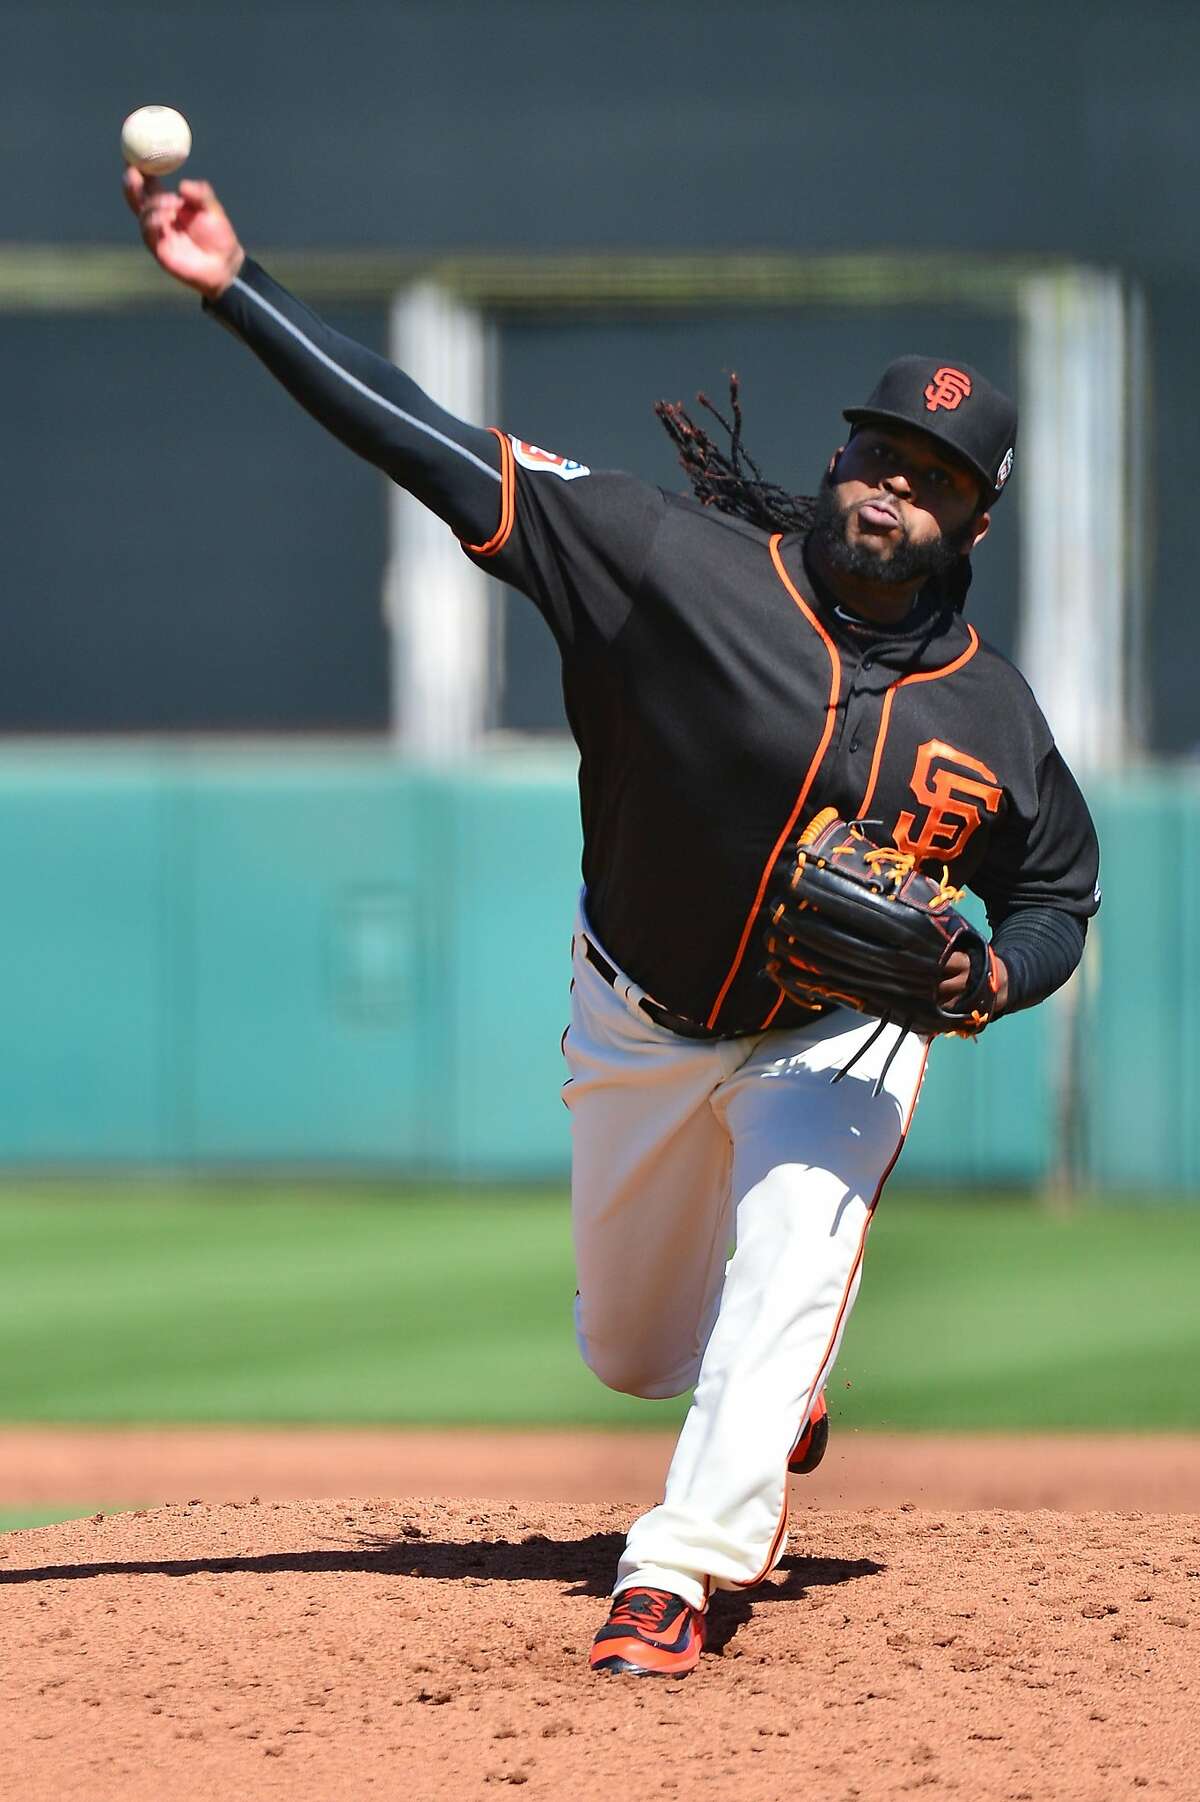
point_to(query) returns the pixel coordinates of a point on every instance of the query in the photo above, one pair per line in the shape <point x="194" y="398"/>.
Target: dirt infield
<point x="435" y="1649"/>
<point x="141" y="1466"/>
<point x="950" y="1619"/>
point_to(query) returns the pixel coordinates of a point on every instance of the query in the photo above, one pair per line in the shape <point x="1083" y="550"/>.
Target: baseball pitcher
<point x="795" y="753"/>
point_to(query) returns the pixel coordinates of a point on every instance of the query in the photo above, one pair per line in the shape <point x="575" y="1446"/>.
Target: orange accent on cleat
<point x="809" y="1449"/>
<point x="649" y="1633"/>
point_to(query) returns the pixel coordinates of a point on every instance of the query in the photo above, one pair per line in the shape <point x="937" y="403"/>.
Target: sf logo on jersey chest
<point x="954" y="791"/>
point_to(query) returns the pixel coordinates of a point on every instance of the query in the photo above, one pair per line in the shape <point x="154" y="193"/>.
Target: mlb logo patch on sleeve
<point x="531" y="456"/>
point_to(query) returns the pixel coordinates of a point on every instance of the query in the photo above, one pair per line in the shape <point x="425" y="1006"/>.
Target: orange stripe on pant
<point x="781" y="1530"/>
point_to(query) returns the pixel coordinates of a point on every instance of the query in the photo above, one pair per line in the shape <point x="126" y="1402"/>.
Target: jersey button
<point x="854" y="744"/>
<point x="868" y="662"/>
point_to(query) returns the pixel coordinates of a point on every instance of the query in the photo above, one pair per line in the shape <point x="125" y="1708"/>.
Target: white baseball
<point x="156" y="140"/>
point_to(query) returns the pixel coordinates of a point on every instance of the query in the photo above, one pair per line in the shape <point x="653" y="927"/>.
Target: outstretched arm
<point x="370" y="405"/>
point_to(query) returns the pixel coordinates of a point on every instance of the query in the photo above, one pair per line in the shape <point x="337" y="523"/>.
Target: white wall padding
<point x="435" y="600"/>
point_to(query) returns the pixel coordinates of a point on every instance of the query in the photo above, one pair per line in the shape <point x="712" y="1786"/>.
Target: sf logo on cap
<point x="949" y="388"/>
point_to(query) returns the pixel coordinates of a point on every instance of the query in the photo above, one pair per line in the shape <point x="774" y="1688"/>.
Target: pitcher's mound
<point x="434" y="1649"/>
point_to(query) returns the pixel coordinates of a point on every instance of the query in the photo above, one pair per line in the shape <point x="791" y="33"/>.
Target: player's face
<point x="898" y="492"/>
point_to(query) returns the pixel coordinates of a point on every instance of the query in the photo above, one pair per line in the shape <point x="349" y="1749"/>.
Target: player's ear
<point x="834" y="461"/>
<point x="980" y="527"/>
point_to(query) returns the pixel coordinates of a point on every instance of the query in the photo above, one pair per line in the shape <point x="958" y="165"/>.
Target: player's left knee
<point x="632" y="1375"/>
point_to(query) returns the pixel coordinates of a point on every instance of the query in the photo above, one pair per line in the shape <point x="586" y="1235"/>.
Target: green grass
<point x="140" y="1303"/>
<point x="989" y="1314"/>
<point x="12" y="1518"/>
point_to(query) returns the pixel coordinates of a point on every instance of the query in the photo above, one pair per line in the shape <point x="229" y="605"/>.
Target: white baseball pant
<point x="681" y="1148"/>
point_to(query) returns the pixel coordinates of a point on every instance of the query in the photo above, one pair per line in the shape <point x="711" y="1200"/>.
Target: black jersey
<point x="718" y="699"/>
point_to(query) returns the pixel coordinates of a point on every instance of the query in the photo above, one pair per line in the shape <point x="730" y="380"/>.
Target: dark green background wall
<point x="637" y="122"/>
<point x="181" y="552"/>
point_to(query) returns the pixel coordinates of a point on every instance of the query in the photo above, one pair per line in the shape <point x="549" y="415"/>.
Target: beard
<point x="906" y="562"/>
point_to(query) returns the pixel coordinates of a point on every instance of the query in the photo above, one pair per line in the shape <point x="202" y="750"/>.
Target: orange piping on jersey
<point x="780" y="999"/>
<point x="835" y="686"/>
<point x="880" y="741"/>
<point x="925" y="675"/>
<point x="508" y="500"/>
<point x="781" y="1528"/>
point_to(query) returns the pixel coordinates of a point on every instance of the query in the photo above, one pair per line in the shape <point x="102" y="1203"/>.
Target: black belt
<point x="661" y="1016"/>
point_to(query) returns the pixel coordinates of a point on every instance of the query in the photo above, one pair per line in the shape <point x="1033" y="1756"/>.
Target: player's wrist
<point x="233" y="268"/>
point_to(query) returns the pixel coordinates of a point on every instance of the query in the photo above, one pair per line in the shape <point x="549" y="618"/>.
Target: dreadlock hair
<point x="733" y="483"/>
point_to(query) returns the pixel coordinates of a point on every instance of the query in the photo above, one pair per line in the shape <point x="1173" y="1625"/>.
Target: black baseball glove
<point x="855" y="923"/>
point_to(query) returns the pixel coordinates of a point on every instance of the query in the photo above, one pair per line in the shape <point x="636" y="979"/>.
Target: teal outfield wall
<point x="282" y="957"/>
<point x="321" y="955"/>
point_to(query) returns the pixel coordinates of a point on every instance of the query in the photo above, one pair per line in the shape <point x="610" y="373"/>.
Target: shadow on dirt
<point x="729" y="1611"/>
<point x="586" y="1564"/>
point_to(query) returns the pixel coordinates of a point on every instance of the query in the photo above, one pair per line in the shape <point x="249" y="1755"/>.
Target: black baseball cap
<point x="954" y="404"/>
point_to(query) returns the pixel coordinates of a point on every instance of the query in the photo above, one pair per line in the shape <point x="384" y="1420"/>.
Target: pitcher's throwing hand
<point x="186" y="230"/>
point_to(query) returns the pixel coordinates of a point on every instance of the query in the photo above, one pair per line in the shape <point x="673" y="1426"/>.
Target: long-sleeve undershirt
<point x="1040" y="948"/>
<point x="371" y="406"/>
